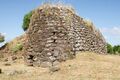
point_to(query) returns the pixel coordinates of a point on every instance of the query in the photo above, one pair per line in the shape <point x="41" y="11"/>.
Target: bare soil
<point x="86" y="66"/>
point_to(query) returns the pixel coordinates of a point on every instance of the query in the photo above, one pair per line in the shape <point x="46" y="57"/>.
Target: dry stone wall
<point x="56" y="33"/>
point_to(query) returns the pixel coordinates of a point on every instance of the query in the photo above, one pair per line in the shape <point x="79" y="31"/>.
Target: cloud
<point x="4" y="34"/>
<point x="111" y="34"/>
<point x="111" y="31"/>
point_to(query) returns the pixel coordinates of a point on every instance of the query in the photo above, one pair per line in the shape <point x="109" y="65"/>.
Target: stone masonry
<point x="56" y="33"/>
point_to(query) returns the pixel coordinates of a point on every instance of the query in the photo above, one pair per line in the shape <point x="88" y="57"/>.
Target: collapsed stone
<point x="0" y="71"/>
<point x="56" y="33"/>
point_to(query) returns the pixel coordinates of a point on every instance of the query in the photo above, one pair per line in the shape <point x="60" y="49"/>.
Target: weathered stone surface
<point x="7" y="64"/>
<point x="13" y="58"/>
<point x="56" y="33"/>
<point x="5" y="59"/>
<point x="54" y="69"/>
<point x="0" y="71"/>
<point x="12" y="72"/>
<point x="55" y="63"/>
<point x="46" y="64"/>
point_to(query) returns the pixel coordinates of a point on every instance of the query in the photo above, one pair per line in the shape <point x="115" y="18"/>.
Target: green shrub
<point x="26" y="21"/>
<point x="1" y="38"/>
<point x="109" y="49"/>
<point x="116" y="49"/>
<point x="17" y="47"/>
<point x="119" y="50"/>
<point x="113" y="50"/>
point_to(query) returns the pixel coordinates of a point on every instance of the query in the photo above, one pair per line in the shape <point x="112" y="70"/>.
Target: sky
<point x="105" y="14"/>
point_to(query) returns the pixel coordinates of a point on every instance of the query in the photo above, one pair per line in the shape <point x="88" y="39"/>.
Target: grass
<point x="88" y="24"/>
<point x="17" y="47"/>
<point x="86" y="66"/>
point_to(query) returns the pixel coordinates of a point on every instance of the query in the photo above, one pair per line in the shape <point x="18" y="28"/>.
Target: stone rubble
<point x="0" y="70"/>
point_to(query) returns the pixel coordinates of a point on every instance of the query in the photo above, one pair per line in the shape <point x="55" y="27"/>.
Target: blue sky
<point x="105" y="14"/>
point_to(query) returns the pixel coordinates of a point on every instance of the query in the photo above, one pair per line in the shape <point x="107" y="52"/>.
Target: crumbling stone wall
<point x="56" y="33"/>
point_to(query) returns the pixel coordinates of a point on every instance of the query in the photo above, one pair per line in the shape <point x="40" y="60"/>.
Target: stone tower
<point x="56" y="33"/>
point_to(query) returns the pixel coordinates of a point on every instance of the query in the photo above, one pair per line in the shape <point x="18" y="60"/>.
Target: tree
<point x="26" y="21"/>
<point x="116" y="49"/>
<point x="1" y="38"/>
<point x="119" y="50"/>
<point x="109" y="49"/>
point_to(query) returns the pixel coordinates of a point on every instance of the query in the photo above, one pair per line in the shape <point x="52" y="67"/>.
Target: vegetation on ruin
<point x="2" y="38"/>
<point x="17" y="47"/>
<point x="26" y="21"/>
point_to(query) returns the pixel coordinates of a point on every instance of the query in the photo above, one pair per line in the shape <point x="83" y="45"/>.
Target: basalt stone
<point x="45" y="64"/>
<point x="54" y="69"/>
<point x="55" y="33"/>
<point x="0" y="71"/>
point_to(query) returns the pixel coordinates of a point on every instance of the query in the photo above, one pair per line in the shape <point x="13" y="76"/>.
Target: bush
<point x="119" y="50"/>
<point x="113" y="50"/>
<point x="26" y="21"/>
<point x="1" y="38"/>
<point x="17" y="47"/>
<point x="109" y="49"/>
<point x="116" y="49"/>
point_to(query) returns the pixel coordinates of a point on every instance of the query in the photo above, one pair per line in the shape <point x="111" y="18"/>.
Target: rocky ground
<point x="86" y="66"/>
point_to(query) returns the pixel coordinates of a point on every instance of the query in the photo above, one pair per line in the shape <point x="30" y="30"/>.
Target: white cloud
<point x="111" y="31"/>
<point x="111" y="34"/>
<point x="4" y="34"/>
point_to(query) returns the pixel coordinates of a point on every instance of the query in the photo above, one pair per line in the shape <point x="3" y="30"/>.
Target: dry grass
<point x="86" y="66"/>
<point x="58" y="5"/>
